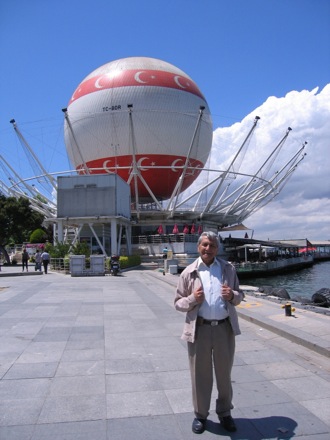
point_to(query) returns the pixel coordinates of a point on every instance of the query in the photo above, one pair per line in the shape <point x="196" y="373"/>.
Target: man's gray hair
<point x="211" y="236"/>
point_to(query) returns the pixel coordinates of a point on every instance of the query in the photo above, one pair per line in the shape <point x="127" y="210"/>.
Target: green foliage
<point x="126" y="261"/>
<point x="81" y="249"/>
<point x="17" y="220"/>
<point x="38" y="236"/>
<point x="60" y="250"/>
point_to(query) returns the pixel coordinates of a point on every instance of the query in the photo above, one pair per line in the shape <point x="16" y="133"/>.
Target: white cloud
<point x="302" y="209"/>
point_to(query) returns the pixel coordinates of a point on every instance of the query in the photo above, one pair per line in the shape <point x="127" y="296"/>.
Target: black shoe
<point x="228" y="423"/>
<point x="198" y="426"/>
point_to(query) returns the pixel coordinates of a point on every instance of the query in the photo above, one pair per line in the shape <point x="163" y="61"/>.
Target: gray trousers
<point x="214" y="347"/>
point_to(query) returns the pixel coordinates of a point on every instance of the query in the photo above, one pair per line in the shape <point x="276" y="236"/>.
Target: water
<point x="303" y="282"/>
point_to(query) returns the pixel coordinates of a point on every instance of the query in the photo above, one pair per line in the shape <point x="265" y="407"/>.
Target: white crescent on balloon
<point x="139" y="163"/>
<point x="174" y="163"/>
<point x="177" y="82"/>
<point x="138" y="79"/>
<point x="106" y="166"/>
<point x="97" y="83"/>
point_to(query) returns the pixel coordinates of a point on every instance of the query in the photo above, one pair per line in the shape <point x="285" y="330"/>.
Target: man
<point x="208" y="291"/>
<point x="25" y="260"/>
<point x="37" y="259"/>
<point x="45" y="260"/>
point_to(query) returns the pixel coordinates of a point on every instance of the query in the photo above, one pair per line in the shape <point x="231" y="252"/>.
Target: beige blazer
<point x="185" y="301"/>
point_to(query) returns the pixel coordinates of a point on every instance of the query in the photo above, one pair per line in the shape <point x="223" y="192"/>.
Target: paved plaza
<point x="100" y="358"/>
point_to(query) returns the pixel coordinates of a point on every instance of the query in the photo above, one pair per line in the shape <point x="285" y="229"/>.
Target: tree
<point x="38" y="236"/>
<point x="17" y="221"/>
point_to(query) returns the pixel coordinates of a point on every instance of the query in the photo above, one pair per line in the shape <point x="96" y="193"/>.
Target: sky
<point x="266" y="58"/>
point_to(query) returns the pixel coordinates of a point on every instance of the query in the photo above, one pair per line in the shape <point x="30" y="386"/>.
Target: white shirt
<point x="213" y="306"/>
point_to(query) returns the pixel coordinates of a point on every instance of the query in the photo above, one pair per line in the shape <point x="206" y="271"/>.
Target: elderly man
<point x="208" y="291"/>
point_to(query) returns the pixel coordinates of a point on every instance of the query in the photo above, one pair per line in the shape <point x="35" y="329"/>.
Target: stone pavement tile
<point x="31" y="371"/>
<point x="5" y="366"/>
<point x="163" y="427"/>
<point x="168" y="380"/>
<point x="95" y="309"/>
<point x="90" y="430"/>
<point x="87" y="332"/>
<point x="180" y="400"/>
<point x="140" y="365"/>
<point x="285" y="369"/>
<point x="167" y="344"/>
<point x="73" y="409"/>
<point x="304" y="389"/>
<point x="145" y="329"/>
<point x="320" y="408"/>
<point x="289" y="419"/>
<point x="137" y="404"/>
<point x="7" y="324"/>
<point x="92" y="320"/>
<point x="92" y="354"/>
<point x="260" y="393"/>
<point x="20" y="411"/>
<point x="42" y="352"/>
<point x="85" y="345"/>
<point x="246" y="373"/>
<point x="170" y="363"/>
<point x="19" y="312"/>
<point x="263" y="356"/>
<point x="43" y="311"/>
<point x="248" y="345"/>
<point x="324" y="436"/>
<point x="11" y="344"/>
<point x="24" y="388"/>
<point x="125" y="383"/>
<point x="59" y="321"/>
<point x="81" y="368"/>
<point x="77" y="386"/>
<point x="119" y="327"/>
<point x="53" y="334"/>
<point x="27" y="328"/>
<point x="22" y="432"/>
<point x="124" y="349"/>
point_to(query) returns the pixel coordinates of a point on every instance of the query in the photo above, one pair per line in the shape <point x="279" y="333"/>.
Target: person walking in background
<point x="208" y="291"/>
<point x="25" y="260"/>
<point x="37" y="259"/>
<point x="45" y="260"/>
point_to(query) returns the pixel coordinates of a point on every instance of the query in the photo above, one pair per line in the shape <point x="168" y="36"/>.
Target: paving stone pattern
<point x="84" y="358"/>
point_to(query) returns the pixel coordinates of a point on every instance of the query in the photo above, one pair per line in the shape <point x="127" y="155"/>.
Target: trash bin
<point x="173" y="269"/>
<point x="77" y="265"/>
<point x="97" y="264"/>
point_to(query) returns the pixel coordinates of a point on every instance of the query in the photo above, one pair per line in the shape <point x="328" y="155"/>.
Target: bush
<point x="81" y="249"/>
<point x="129" y="261"/>
<point x="38" y="236"/>
<point x="60" y="250"/>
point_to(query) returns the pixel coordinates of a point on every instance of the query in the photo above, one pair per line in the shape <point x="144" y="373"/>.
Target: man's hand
<point x="227" y="293"/>
<point x="199" y="295"/>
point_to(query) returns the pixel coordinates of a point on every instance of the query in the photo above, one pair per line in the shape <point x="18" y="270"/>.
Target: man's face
<point x="207" y="250"/>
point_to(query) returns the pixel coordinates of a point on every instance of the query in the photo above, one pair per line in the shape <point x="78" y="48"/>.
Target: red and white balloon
<point x="165" y="104"/>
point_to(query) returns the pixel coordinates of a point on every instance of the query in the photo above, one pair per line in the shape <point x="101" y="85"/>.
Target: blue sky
<point x="239" y="53"/>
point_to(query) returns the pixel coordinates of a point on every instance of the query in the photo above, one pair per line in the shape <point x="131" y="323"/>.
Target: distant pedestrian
<point x="25" y="259"/>
<point x="45" y="260"/>
<point x="37" y="259"/>
<point x="165" y="251"/>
